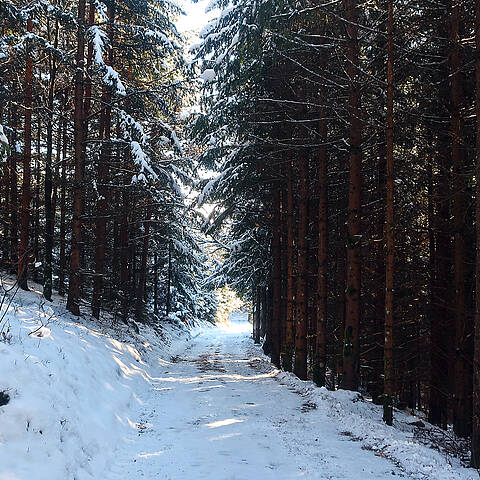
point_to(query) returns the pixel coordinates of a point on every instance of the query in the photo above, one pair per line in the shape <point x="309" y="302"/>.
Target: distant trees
<point x="368" y="279"/>
<point x="92" y="165"/>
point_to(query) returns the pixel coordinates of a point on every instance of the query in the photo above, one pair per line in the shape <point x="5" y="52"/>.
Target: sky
<point x="195" y="17"/>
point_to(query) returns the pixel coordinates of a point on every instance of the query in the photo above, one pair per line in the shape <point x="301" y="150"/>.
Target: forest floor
<point x="221" y="411"/>
<point x="89" y="401"/>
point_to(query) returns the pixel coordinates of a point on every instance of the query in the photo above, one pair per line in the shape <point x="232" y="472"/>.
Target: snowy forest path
<point x="218" y="411"/>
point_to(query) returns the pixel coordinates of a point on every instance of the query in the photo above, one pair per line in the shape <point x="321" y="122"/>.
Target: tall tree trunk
<point x="320" y="354"/>
<point x="155" y="283"/>
<point x="142" y="278"/>
<point x="62" y="260"/>
<point x="35" y="236"/>
<point x="23" y="248"/>
<point x="49" y="211"/>
<point x="351" y="347"/>
<point x="462" y="405"/>
<point x="168" y="305"/>
<point x="389" y="380"/>
<point x="124" y="255"/>
<point x="320" y="360"/>
<point x="475" y="461"/>
<point x="13" y="195"/>
<point x="290" y="240"/>
<point x="256" y="315"/>
<point x="73" y="301"/>
<point x="103" y="175"/>
<point x="276" y="281"/>
<point x="300" y="364"/>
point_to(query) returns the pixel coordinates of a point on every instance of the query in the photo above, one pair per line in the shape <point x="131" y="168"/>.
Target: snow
<point x="220" y="411"/>
<point x="89" y="402"/>
<point x="112" y="78"/>
<point x="3" y="144"/>
<point x="207" y="75"/>
<point x="73" y="389"/>
<point x="141" y="160"/>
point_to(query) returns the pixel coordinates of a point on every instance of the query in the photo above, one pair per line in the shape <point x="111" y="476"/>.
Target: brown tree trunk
<point x="62" y="260"/>
<point x="124" y="256"/>
<point x="351" y="353"/>
<point x="13" y="196"/>
<point x="320" y="360"/>
<point x="441" y="322"/>
<point x="475" y="461"/>
<point x="389" y="380"/>
<point x="23" y="248"/>
<point x="462" y="382"/>
<point x="155" y="283"/>
<point x="49" y="211"/>
<point x="169" y="280"/>
<point x="103" y="175"/>
<point x="73" y="301"/>
<point x="300" y="364"/>
<point x="142" y="277"/>
<point x="276" y="281"/>
<point x="256" y="315"/>
<point x="290" y="240"/>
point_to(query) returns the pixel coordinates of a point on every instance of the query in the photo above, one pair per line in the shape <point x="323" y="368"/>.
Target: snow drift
<point x="71" y="389"/>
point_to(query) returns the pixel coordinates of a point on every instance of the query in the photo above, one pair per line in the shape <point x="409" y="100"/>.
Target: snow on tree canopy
<point x="3" y="144"/>
<point x="141" y="160"/>
<point x="99" y="41"/>
<point x="208" y="75"/>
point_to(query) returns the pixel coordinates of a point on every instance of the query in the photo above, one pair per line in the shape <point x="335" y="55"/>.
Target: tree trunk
<point x="389" y="381"/>
<point x="49" y="211"/>
<point x="462" y="383"/>
<point x="290" y="311"/>
<point x="23" y="248"/>
<point x="103" y="176"/>
<point x="351" y="348"/>
<point x="169" y="280"/>
<point x="276" y="281"/>
<point x="62" y="260"/>
<point x="155" y="283"/>
<point x="13" y="196"/>
<point x="300" y="364"/>
<point x="320" y="359"/>
<point x="73" y="301"/>
<point x="475" y="461"/>
<point x="142" y="278"/>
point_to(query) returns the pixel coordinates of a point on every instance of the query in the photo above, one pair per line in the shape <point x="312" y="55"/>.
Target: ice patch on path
<point x="73" y="388"/>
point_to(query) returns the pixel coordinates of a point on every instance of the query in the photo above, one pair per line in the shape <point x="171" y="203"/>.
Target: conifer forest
<point x="189" y="188"/>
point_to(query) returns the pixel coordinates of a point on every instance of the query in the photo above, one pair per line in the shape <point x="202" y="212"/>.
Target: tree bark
<point x="274" y="343"/>
<point x="389" y="375"/>
<point x="462" y="383"/>
<point x="475" y="460"/>
<point x="62" y="260"/>
<point x="351" y="348"/>
<point x="103" y="175"/>
<point x="49" y="211"/>
<point x="300" y="364"/>
<point x="23" y="248"/>
<point x="290" y="311"/>
<point x="73" y="301"/>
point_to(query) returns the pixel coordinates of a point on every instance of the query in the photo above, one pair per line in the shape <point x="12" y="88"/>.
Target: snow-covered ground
<point x="85" y="405"/>
<point x="75" y="388"/>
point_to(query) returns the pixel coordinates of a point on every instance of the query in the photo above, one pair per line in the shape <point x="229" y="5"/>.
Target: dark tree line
<point x="345" y="135"/>
<point x="92" y="197"/>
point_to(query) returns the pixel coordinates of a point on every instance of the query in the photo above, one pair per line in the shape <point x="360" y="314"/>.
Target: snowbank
<point x="72" y="388"/>
<point x="360" y="421"/>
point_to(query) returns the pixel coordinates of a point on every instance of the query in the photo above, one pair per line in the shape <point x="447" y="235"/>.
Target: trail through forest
<point x="220" y="411"/>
